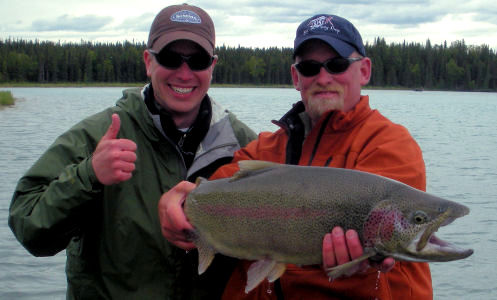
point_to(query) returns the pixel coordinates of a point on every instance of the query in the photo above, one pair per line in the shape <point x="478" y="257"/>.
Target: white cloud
<point x="84" y="23"/>
<point x="255" y="23"/>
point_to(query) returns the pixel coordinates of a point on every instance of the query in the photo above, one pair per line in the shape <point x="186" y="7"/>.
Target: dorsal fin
<point x="249" y="166"/>
<point x="199" y="180"/>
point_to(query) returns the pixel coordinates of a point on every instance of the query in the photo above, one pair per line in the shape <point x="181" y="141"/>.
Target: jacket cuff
<point x="88" y="176"/>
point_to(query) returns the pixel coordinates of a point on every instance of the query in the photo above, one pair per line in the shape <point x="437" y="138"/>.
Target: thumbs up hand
<point x="114" y="159"/>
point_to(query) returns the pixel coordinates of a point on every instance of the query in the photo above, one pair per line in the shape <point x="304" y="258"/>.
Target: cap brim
<point x="342" y="48"/>
<point x="170" y="37"/>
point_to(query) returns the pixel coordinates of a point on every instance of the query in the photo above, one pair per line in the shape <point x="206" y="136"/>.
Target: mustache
<point x="329" y="89"/>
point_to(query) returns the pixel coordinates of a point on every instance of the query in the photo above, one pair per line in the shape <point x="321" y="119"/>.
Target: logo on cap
<point x="321" y="23"/>
<point x="186" y="16"/>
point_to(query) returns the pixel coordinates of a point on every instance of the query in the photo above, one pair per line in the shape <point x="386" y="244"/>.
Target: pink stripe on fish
<point x="262" y="212"/>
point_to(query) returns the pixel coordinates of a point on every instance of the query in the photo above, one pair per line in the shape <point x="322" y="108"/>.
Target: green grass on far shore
<point x="6" y="98"/>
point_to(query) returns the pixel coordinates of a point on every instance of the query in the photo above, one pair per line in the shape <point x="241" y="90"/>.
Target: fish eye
<point x="420" y="217"/>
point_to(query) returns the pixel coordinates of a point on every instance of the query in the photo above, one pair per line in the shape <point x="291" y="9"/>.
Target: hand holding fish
<point x="340" y="248"/>
<point x="174" y="224"/>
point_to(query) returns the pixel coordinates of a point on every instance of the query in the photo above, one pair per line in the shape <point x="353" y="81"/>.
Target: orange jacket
<point x="360" y="139"/>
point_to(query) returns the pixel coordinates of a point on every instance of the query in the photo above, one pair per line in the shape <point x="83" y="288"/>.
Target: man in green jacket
<point x="95" y="190"/>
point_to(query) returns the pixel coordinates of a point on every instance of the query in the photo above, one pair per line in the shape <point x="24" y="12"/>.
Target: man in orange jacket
<point x="332" y="126"/>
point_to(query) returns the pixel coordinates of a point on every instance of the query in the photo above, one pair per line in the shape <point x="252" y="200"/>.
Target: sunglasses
<point x="335" y="65"/>
<point x="173" y="60"/>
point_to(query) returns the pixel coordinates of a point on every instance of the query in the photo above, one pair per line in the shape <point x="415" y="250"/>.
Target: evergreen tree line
<point x="403" y="65"/>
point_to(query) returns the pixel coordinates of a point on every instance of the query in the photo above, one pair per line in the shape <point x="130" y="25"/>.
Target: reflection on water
<point x="456" y="131"/>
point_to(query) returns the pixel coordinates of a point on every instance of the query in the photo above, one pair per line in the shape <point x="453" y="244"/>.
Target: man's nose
<point x="184" y="71"/>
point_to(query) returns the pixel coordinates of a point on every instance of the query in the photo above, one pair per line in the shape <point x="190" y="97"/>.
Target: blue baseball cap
<point x="336" y="31"/>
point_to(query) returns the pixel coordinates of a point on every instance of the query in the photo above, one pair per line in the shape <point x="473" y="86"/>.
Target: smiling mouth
<point x="181" y="90"/>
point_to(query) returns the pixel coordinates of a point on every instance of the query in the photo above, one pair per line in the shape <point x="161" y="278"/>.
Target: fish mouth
<point x="429" y="247"/>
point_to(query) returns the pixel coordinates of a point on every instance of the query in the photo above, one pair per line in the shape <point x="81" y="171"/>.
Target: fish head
<point x="405" y="229"/>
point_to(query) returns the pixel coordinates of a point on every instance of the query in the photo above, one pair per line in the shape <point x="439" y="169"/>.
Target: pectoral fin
<point x="276" y="272"/>
<point x="346" y="268"/>
<point x="262" y="269"/>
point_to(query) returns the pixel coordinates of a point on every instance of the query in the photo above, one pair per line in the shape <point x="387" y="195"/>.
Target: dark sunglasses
<point x="335" y="65"/>
<point x="173" y="60"/>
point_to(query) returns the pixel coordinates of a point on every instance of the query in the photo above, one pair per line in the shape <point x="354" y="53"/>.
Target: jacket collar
<point x="187" y="141"/>
<point x="343" y="121"/>
<point x="291" y="119"/>
<point x="339" y="121"/>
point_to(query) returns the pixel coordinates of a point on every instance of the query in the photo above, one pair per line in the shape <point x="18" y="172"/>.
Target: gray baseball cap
<point x="182" y="22"/>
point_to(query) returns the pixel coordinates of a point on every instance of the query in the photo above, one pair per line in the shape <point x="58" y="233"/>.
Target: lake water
<point x="456" y="131"/>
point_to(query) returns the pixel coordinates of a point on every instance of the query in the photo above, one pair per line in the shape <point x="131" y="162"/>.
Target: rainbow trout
<point x="276" y="214"/>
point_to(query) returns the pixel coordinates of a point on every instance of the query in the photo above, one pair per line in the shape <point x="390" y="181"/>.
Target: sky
<point x="254" y="23"/>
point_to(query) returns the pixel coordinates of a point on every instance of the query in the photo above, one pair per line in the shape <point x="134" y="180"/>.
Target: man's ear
<point x="365" y="70"/>
<point x="214" y="62"/>
<point x="295" y="77"/>
<point x="147" y="59"/>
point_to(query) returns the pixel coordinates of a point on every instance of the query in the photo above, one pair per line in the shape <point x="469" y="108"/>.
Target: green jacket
<point x="115" y="249"/>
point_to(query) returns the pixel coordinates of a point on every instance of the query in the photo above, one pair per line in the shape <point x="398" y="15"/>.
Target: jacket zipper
<point x="178" y="152"/>
<point x="318" y="139"/>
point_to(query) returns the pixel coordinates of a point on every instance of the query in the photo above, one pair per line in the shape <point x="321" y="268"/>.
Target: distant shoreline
<point x="122" y="84"/>
<point x="216" y="85"/>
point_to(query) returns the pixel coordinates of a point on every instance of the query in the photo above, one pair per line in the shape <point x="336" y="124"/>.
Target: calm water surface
<point x="456" y="131"/>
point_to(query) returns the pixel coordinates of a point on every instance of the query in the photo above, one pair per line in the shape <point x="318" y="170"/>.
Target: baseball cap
<point x="336" y="31"/>
<point x="182" y="22"/>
